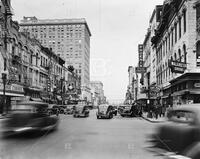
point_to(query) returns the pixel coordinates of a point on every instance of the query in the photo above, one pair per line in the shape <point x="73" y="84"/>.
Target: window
<point x="184" y="20"/>
<point x="179" y="23"/>
<point x="179" y="54"/>
<point x="175" y="32"/>
<point x="185" y="53"/>
<point x="172" y="37"/>
<point x="175" y="57"/>
<point x="169" y="41"/>
<point x="36" y="59"/>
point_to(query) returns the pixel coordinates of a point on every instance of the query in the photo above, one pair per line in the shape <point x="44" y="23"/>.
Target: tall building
<point x="68" y="38"/>
<point x="98" y="85"/>
<point x="130" y="89"/>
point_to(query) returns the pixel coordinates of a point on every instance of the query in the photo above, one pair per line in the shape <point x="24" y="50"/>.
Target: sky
<point x="117" y="27"/>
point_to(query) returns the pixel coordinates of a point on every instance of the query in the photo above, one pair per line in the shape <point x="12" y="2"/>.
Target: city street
<point x="84" y="138"/>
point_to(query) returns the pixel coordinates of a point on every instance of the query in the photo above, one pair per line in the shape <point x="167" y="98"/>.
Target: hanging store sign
<point x="13" y="87"/>
<point x="177" y="66"/>
<point x="140" y="69"/>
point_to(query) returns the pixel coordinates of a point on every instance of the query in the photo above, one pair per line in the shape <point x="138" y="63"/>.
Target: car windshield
<point x="103" y="107"/>
<point x="79" y="107"/>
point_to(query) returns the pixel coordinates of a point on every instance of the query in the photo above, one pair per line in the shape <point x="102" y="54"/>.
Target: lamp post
<point x="4" y="79"/>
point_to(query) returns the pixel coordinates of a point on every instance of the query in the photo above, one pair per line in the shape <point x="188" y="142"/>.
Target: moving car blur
<point x="104" y="111"/>
<point x="28" y="117"/>
<point x="181" y="133"/>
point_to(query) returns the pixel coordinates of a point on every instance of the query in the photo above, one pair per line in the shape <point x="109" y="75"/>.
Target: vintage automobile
<point x="125" y="110"/>
<point x="53" y="109"/>
<point x="70" y="109"/>
<point x="115" y="109"/>
<point x="81" y="110"/>
<point x="104" y="111"/>
<point x="28" y="117"/>
<point x="181" y="133"/>
<point x="62" y="109"/>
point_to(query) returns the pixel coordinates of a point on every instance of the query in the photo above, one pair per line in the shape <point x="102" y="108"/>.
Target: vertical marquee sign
<point x="140" y="53"/>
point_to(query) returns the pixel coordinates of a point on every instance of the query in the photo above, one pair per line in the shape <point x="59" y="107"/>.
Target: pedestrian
<point x="163" y="110"/>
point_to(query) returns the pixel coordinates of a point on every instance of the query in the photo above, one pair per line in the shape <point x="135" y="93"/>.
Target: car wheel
<point x="97" y="117"/>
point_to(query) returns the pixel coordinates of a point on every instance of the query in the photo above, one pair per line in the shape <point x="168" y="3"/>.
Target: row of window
<point x="171" y="38"/>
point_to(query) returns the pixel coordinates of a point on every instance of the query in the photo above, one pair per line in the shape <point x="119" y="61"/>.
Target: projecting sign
<point x="177" y="66"/>
<point x="140" y="69"/>
<point x="140" y="54"/>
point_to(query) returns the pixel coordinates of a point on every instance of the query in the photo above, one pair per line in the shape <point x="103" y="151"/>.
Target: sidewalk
<point x="153" y="120"/>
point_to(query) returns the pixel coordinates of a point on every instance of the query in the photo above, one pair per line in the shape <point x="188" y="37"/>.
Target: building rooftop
<point x="34" y="21"/>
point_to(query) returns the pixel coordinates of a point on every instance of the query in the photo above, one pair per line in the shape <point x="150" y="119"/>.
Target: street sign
<point x="140" y="69"/>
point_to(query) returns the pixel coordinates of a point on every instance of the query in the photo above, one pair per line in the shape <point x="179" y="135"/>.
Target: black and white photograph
<point x="100" y="79"/>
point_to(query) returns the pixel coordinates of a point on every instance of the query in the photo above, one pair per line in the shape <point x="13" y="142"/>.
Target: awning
<point x="45" y="98"/>
<point x="36" y="99"/>
<point x="12" y="94"/>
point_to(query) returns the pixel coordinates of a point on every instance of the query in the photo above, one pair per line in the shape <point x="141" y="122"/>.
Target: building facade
<point x="130" y="88"/>
<point x="28" y="70"/>
<point x="68" y="38"/>
<point x="98" y="86"/>
<point x="171" y="47"/>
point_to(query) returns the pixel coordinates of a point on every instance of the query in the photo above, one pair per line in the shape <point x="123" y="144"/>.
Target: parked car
<point x="125" y="110"/>
<point x="181" y="133"/>
<point x="28" y="117"/>
<point x="53" y="109"/>
<point x="81" y="110"/>
<point x="70" y="109"/>
<point x="115" y="109"/>
<point x="62" y="109"/>
<point x="104" y="111"/>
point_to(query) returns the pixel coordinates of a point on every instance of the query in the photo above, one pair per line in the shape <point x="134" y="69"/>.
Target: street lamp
<point x="4" y="79"/>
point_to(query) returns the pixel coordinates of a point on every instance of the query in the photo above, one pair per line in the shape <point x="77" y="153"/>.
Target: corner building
<point x="68" y="38"/>
<point x="177" y="44"/>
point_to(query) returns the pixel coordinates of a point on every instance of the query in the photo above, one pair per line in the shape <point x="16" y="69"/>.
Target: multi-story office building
<point x="68" y="38"/>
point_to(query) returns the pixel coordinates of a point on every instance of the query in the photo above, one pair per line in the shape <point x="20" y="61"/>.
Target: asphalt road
<point x="84" y="138"/>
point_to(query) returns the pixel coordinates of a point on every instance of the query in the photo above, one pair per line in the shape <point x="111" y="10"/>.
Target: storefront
<point x="11" y="91"/>
<point x="33" y="93"/>
<point x="186" y="89"/>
